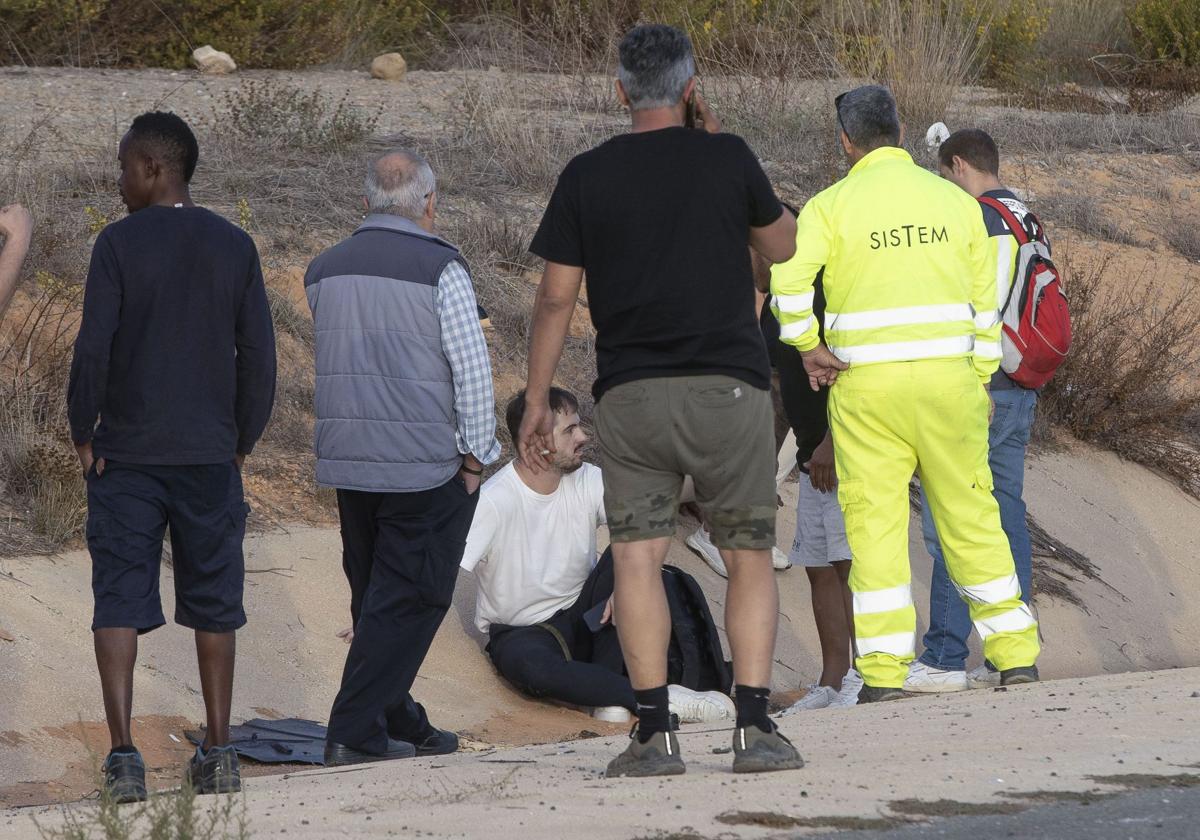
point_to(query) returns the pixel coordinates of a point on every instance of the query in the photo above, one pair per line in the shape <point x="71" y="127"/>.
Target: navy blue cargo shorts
<point x="130" y="506"/>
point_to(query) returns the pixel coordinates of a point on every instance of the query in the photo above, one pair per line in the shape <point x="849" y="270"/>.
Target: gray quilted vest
<point x="385" y="394"/>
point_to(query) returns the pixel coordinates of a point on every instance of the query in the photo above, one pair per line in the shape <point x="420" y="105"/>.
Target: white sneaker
<point x="780" y="560"/>
<point x="818" y="697"/>
<point x="702" y="544"/>
<point x="700" y="706"/>
<point x="848" y="696"/>
<point x="612" y="714"/>
<point x="981" y="677"/>
<point x="926" y="679"/>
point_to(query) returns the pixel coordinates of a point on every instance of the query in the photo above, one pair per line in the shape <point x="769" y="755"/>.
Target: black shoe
<point x="125" y="777"/>
<point x="756" y="751"/>
<point x="217" y="771"/>
<point x="338" y="755"/>
<point x="434" y="741"/>
<point x="1019" y="676"/>
<point x="659" y="756"/>
<point x="879" y="694"/>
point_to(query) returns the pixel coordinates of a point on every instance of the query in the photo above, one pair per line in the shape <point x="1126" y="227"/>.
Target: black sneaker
<point x="125" y="777"/>
<point x="1019" y="676"/>
<point x="216" y="771"/>
<point x="434" y="741"/>
<point x="755" y="751"/>
<point x="879" y="694"/>
<point x="339" y="755"/>
<point x="659" y="756"/>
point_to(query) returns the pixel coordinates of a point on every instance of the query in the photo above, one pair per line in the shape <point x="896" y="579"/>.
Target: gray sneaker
<point x="755" y="751"/>
<point x="879" y="694"/>
<point x="217" y="771"/>
<point x="1019" y="676"/>
<point x="657" y="757"/>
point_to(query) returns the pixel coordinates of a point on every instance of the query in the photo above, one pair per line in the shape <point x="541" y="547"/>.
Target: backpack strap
<point x="1010" y="218"/>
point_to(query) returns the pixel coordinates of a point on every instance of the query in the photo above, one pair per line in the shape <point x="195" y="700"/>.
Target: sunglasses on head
<point x="837" y="107"/>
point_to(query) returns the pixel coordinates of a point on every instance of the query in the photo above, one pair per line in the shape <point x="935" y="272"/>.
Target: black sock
<point x="653" y="711"/>
<point x="752" y="706"/>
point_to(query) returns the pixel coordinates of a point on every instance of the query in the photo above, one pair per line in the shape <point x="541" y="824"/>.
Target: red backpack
<point x="1036" y="326"/>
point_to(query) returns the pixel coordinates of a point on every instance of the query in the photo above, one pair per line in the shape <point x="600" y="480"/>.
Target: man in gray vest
<point x="405" y="422"/>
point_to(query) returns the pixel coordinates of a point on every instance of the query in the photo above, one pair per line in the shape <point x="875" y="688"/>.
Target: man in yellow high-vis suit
<point x="913" y="334"/>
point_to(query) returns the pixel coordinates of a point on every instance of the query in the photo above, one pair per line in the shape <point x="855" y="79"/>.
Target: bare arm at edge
<point x="16" y="226"/>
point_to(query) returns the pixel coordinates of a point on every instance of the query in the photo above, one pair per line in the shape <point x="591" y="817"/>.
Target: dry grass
<point x="1129" y="382"/>
<point x="519" y="132"/>
<point x="1078" y="30"/>
<point x="1083" y="212"/>
<point x="1055" y="137"/>
<point x="924" y="50"/>
<point x="1183" y="236"/>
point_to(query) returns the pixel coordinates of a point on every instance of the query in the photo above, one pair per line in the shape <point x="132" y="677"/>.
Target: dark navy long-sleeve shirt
<point x="175" y="359"/>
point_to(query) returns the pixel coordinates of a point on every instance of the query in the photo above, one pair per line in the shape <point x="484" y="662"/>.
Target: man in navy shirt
<point x="171" y="386"/>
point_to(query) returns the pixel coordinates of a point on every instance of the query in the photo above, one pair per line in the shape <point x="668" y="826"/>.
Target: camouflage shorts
<point x="717" y="429"/>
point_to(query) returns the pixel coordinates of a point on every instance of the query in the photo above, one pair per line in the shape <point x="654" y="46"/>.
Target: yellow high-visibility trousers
<point x="930" y="416"/>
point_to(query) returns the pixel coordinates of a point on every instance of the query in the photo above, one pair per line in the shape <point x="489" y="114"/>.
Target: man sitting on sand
<point x="544" y="600"/>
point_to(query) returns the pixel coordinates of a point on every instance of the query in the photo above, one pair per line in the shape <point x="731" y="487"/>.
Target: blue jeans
<point x="1008" y="436"/>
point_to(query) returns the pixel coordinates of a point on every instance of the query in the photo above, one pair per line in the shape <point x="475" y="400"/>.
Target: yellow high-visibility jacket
<point x="909" y="269"/>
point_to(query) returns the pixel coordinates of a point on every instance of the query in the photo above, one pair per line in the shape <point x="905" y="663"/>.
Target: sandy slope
<point x="1141" y="531"/>
<point x="1007" y="749"/>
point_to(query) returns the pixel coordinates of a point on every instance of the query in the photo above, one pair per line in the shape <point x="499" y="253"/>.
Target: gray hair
<point x="399" y="182"/>
<point x="656" y="63"/>
<point x="869" y="117"/>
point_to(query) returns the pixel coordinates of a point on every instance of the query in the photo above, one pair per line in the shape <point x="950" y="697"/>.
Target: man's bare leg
<point x="215" y="654"/>
<point x="751" y="615"/>
<point x="843" y="570"/>
<point x="116" y="653"/>
<point x="640" y="609"/>
<point x="829" y="613"/>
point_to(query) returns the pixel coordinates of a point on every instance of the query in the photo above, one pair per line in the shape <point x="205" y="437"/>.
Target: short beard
<point x="567" y="469"/>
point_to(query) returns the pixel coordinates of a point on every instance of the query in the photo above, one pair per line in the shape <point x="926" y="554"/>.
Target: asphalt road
<point x="1160" y="813"/>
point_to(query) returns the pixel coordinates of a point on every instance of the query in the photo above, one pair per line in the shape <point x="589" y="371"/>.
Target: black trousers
<point x="401" y="553"/>
<point x="561" y="658"/>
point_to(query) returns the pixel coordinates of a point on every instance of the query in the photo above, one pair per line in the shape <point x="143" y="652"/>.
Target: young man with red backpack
<point x="1035" y="338"/>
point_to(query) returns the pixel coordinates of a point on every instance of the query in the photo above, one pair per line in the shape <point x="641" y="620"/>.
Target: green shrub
<point x="1010" y="31"/>
<point x="1168" y="30"/>
<point x="282" y="114"/>
<point x="267" y="33"/>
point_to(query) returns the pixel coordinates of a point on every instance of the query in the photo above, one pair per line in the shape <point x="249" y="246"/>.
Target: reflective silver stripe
<point x="797" y="329"/>
<point x="904" y="351"/>
<point x="897" y="644"/>
<point x="987" y="320"/>
<point x="794" y="303"/>
<point x="988" y="349"/>
<point x="1004" y="269"/>
<point x="993" y="591"/>
<point x="883" y="600"/>
<point x="900" y="317"/>
<point x="1013" y="621"/>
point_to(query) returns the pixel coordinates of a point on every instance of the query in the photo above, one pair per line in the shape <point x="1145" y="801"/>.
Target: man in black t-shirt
<point x="661" y="220"/>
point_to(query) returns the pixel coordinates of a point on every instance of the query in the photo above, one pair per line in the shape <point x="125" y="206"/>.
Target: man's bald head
<point x="400" y="182"/>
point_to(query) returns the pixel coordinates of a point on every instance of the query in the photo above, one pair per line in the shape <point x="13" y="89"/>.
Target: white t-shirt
<point x="532" y="553"/>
